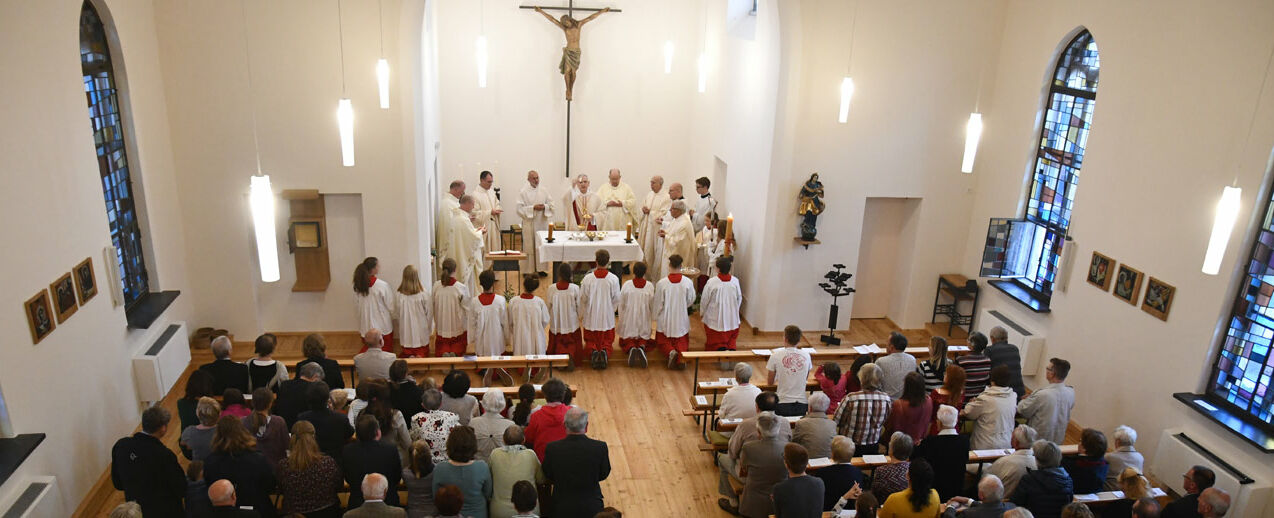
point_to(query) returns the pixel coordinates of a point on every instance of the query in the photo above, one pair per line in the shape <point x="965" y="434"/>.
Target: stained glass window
<point x="1242" y="373"/>
<point x="1068" y="114"/>
<point x="106" y="115"/>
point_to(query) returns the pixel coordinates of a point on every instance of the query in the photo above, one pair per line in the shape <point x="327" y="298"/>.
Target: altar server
<point x="599" y="292"/>
<point x="536" y="208"/>
<point x="374" y="299"/>
<point x="704" y="205"/>
<point x="671" y="308"/>
<point x="563" y="303"/>
<point x="653" y="211"/>
<point x="450" y="310"/>
<point x="719" y="307"/>
<point x="489" y="323"/>
<point x="487" y="210"/>
<point x="618" y="201"/>
<point x="528" y="315"/>
<point x="634" y="316"/>
<point x="415" y="320"/>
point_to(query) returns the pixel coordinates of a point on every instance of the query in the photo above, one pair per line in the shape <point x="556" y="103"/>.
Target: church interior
<point x="1062" y="170"/>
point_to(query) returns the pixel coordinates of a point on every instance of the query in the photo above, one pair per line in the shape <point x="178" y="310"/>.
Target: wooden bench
<point x="817" y="354"/>
<point x="975" y="457"/>
<point x="548" y="361"/>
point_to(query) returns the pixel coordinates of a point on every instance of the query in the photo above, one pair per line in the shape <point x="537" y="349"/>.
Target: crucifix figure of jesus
<point x="571" y="52"/>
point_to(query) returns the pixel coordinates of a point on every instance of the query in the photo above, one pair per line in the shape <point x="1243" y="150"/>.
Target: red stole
<point x="725" y="277"/>
<point x="639" y="283"/>
<point x="486" y="298"/>
<point x="601" y="273"/>
<point x="674" y="278"/>
<point x="561" y="286"/>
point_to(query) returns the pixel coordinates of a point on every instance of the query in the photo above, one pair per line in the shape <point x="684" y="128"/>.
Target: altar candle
<point x="729" y="233"/>
<point x="629" y="236"/>
<point x="550" y="232"/>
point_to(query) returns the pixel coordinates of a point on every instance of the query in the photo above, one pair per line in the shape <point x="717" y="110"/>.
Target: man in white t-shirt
<point x="789" y="370"/>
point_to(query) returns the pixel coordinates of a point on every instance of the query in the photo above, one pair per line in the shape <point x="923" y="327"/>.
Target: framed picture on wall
<point x="1158" y="300"/>
<point x="63" y="291"/>
<point x="1100" y="270"/>
<point x="1128" y="284"/>
<point x="85" y="280"/>
<point x="39" y="316"/>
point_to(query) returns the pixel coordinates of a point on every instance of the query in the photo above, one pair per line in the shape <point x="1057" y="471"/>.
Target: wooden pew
<point x="817" y="355"/>
<point x="548" y="361"/>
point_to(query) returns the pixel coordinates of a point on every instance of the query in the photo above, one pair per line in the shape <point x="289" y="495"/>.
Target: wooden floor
<point x="657" y="469"/>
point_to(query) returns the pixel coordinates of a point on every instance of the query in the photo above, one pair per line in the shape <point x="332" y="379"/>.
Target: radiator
<point x="1029" y="343"/>
<point x="37" y="498"/>
<point x="157" y="368"/>
<point x="1177" y="453"/>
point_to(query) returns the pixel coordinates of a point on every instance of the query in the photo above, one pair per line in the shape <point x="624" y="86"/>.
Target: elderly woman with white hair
<point x="814" y="431"/>
<point x="947" y="452"/>
<point x="842" y="481"/>
<point x="490" y="426"/>
<point x="1124" y="456"/>
<point x="990" y="502"/>
<point x="862" y="414"/>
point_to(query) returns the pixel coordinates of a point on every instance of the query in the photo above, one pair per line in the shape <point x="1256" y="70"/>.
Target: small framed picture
<point x="85" y="280"/>
<point x="63" y="291"/>
<point x="1128" y="284"/>
<point x="1158" y="300"/>
<point x="40" y="316"/>
<point x="1099" y="271"/>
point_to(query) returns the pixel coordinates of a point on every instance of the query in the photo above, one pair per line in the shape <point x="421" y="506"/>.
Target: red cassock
<point x="719" y="340"/>
<point x="600" y="340"/>
<point x="666" y="344"/>
<point x="566" y="343"/>
<point x="456" y="344"/>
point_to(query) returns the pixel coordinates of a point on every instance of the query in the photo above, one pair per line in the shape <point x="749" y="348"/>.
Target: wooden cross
<point x="570" y="54"/>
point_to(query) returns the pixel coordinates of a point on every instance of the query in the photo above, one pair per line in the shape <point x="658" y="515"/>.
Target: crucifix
<point x="570" y="62"/>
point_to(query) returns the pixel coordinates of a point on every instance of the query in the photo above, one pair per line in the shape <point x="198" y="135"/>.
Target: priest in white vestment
<point x="450" y="311"/>
<point x="536" y="208"/>
<point x="719" y="307"/>
<point x="704" y="205"/>
<point x="442" y="225"/>
<point x="582" y="206"/>
<point x="679" y="234"/>
<point x="653" y="210"/>
<point x="599" y="293"/>
<point x="466" y="242"/>
<point x="619" y="203"/>
<point x="671" y="309"/>
<point x="487" y="210"/>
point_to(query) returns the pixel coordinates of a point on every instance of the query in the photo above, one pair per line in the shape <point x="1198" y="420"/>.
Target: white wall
<point x="52" y="202"/>
<point x="1178" y="90"/>
<point x="878" y="257"/>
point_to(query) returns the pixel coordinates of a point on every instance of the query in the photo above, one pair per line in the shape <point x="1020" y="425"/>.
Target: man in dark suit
<point x="576" y="466"/>
<point x="1196" y="480"/>
<point x="226" y="373"/>
<point x="225" y="502"/>
<point x="1001" y="352"/>
<point x="374" y="488"/>
<point x="294" y="393"/>
<point x="991" y="502"/>
<point x="146" y="470"/>
<point x="331" y="428"/>
<point x="368" y="455"/>
<point x="948" y="453"/>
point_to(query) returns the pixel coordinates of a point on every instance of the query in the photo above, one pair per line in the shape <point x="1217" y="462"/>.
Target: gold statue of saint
<point x="569" y="64"/>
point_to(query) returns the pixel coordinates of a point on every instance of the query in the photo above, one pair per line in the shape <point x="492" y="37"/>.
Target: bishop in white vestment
<point x="619" y="203"/>
<point x="654" y="208"/>
<point x="536" y="208"/>
<point x="582" y="206"/>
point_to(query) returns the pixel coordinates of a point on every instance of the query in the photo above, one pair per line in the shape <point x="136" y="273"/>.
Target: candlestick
<point x="628" y="238"/>
<point x="550" y="238"/>
<point x="729" y="233"/>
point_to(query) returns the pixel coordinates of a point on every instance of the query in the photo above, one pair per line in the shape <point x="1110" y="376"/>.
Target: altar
<point x="567" y="248"/>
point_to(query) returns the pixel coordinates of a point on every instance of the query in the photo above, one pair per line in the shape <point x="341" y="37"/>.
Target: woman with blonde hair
<point x="309" y="479"/>
<point x="198" y="438"/>
<point x="1134" y="487"/>
<point x="374" y="300"/>
<point x="415" y="319"/>
<point x="235" y="458"/>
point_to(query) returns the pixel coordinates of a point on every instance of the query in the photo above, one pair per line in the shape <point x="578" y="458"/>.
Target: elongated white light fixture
<point x="846" y="94"/>
<point x="1227" y="211"/>
<point x="668" y="51"/>
<point x="382" y="80"/>
<point x="345" y="120"/>
<point x="973" y="133"/>
<point x="703" y="72"/>
<point x="261" y="198"/>
<point x="481" y="56"/>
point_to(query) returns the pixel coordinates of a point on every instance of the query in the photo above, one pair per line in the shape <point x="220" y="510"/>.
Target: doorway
<point x="885" y="254"/>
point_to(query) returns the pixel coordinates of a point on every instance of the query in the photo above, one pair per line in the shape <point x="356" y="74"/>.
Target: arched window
<point x="1027" y="249"/>
<point x="106" y="115"/>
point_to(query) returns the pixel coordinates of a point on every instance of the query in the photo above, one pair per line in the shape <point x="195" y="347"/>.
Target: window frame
<point x="131" y="265"/>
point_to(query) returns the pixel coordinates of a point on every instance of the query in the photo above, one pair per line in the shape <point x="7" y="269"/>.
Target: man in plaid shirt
<point x="862" y="414"/>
